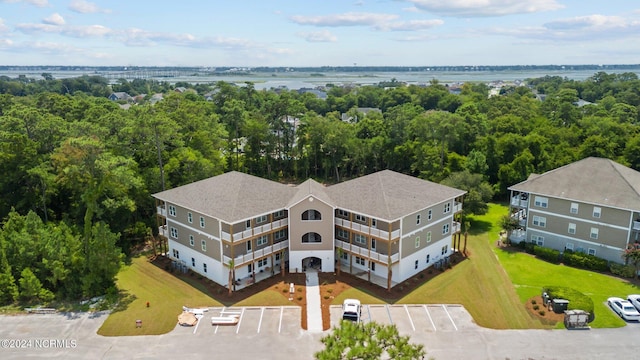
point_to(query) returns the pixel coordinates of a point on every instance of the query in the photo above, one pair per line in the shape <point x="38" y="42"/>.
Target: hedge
<point x="550" y="255"/>
<point x="577" y="300"/>
<point x="627" y="271"/>
<point x="585" y="261"/>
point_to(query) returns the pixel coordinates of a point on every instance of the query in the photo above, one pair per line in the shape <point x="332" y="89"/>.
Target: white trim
<point x="572" y="239"/>
<point x="531" y="211"/>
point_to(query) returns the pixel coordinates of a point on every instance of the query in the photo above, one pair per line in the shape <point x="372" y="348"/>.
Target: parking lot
<point x="284" y="320"/>
<point x="409" y="319"/>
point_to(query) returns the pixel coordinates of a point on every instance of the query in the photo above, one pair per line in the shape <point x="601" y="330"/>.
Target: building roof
<point x="231" y="197"/>
<point x="236" y="196"/>
<point x="591" y="180"/>
<point x="389" y="195"/>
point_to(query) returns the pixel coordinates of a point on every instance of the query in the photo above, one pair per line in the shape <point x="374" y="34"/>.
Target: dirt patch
<point x="537" y="309"/>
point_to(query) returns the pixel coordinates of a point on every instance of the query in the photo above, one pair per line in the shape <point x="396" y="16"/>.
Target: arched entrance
<point x="312" y="263"/>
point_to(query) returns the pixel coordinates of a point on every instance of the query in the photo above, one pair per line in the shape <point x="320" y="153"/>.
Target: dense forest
<point x="79" y="169"/>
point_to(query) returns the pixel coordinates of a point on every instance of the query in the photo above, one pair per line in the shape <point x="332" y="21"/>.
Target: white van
<point x="351" y="310"/>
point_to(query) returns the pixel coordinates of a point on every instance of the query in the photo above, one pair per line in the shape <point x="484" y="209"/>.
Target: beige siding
<point x="409" y="243"/>
<point x="608" y="215"/>
<point x="299" y="227"/>
<point x="410" y="224"/>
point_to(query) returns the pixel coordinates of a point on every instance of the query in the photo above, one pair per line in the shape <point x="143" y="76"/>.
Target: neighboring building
<point x="117" y="96"/>
<point x="352" y="116"/>
<point x="590" y="206"/>
<point x="385" y="227"/>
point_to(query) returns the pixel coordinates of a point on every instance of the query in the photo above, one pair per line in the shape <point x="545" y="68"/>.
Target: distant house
<point x="180" y="89"/>
<point x="318" y="93"/>
<point x="590" y="206"/>
<point x="118" y="96"/>
<point x="350" y="117"/>
<point x="155" y="98"/>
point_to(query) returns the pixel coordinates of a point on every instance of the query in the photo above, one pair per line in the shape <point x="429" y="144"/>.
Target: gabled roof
<point x="236" y="196"/>
<point x="389" y="195"/>
<point x="591" y="180"/>
<point x="231" y="197"/>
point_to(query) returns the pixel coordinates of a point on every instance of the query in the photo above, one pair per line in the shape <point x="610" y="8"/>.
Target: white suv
<point x="351" y="310"/>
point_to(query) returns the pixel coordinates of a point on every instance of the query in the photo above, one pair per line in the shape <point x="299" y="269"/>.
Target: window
<point x="591" y="252"/>
<point x="248" y="224"/>
<point x="343" y="213"/>
<point x="359" y="260"/>
<point x="277" y="257"/>
<point x="540" y="221"/>
<point x="172" y="210"/>
<point x="538" y="240"/>
<point x="345" y="256"/>
<point x="597" y="212"/>
<point x="428" y="258"/>
<point x="174" y="232"/>
<point x="417" y="242"/>
<point x="190" y="217"/>
<point x="278" y="214"/>
<point x="447" y="208"/>
<point x="372" y="265"/>
<point x="542" y="202"/>
<point x="342" y="233"/>
<point x="569" y="246"/>
<point x="262" y="240"/>
<point x="445" y="229"/>
<point x="360" y="239"/>
<point x="193" y="262"/>
<point x="572" y="228"/>
<point x="311" y="238"/>
<point x="429" y="214"/>
<point x="594" y="233"/>
<point x="204" y="267"/>
<point x="201" y="221"/>
<point x="373" y="244"/>
<point x="428" y="237"/>
<point x="360" y="218"/>
<point x="418" y="219"/>
<point x="249" y="245"/>
<point x="203" y="245"/>
<point x="261" y="219"/>
<point x="262" y="262"/>
<point x="250" y="268"/>
<point x="444" y="250"/>
<point x="311" y="215"/>
<point x="281" y="234"/>
<point x="415" y="265"/>
<point x="191" y="241"/>
<point x="176" y="254"/>
<point x="574" y="208"/>
<point x="374" y="223"/>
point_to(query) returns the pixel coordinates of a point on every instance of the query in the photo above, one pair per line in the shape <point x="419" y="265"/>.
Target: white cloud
<point x="485" y="8"/>
<point x="346" y="19"/>
<point x="3" y="27"/>
<point x="54" y="19"/>
<point x="38" y="3"/>
<point x="318" y="36"/>
<point x="85" y="7"/>
<point x="587" y="22"/>
<point x="73" y="31"/>
<point x="411" y="25"/>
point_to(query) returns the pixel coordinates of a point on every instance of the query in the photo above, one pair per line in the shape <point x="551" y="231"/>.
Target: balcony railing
<point x="517" y="236"/>
<point x="367" y="229"/>
<point x="255" y="230"/>
<point x="162" y="211"/>
<point x="455" y="227"/>
<point x="247" y="258"/>
<point x="636" y="225"/>
<point x="162" y="231"/>
<point x="516" y="201"/>
<point x="366" y="253"/>
<point x="457" y="207"/>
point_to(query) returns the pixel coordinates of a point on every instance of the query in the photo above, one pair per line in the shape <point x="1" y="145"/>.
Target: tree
<point x="353" y="340"/>
<point x="479" y="192"/>
<point x="631" y="256"/>
<point x="30" y="286"/>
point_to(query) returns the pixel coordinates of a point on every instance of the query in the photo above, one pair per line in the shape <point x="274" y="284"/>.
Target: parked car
<point x="635" y="300"/>
<point x="351" y="310"/>
<point x="624" y="308"/>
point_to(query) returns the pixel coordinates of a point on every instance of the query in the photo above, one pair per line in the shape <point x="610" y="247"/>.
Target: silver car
<point x="624" y="308"/>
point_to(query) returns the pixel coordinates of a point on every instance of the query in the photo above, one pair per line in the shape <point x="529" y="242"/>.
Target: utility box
<point x="576" y="319"/>
<point x="559" y="305"/>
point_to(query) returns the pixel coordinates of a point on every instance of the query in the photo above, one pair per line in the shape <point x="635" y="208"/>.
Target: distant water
<point x="296" y="80"/>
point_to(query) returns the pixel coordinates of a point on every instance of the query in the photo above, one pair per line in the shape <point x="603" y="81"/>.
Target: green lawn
<point x="142" y="281"/>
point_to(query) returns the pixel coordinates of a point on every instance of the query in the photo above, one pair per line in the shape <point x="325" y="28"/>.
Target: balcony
<point x="636" y="225"/>
<point x="518" y="236"/>
<point x="366" y="253"/>
<point x="247" y="258"/>
<point x="162" y="211"/>
<point x="255" y="231"/>
<point x="516" y="201"/>
<point x="455" y="227"/>
<point x="457" y="207"/>
<point x="163" y="231"/>
<point x="367" y="229"/>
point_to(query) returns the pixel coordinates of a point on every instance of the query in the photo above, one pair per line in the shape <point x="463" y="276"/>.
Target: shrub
<point x="536" y="307"/>
<point x="585" y="261"/>
<point x="533" y="301"/>
<point x="530" y="248"/>
<point x="550" y="255"/>
<point x="577" y="300"/>
<point x="627" y="271"/>
<point x="329" y="291"/>
<point x="541" y="312"/>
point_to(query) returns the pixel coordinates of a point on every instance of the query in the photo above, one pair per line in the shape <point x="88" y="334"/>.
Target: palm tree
<point x="231" y="275"/>
<point x="467" y="226"/>
<point x="339" y="253"/>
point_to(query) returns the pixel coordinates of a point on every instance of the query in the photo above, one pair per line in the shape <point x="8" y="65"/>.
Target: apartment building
<point x="384" y="226"/>
<point x="590" y="206"/>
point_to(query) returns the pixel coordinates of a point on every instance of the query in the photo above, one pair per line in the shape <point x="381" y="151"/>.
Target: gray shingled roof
<point x="389" y="195"/>
<point x="231" y="197"/>
<point x="591" y="180"/>
<point x="236" y="196"/>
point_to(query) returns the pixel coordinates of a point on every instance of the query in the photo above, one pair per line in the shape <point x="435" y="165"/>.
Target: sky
<point x="251" y="33"/>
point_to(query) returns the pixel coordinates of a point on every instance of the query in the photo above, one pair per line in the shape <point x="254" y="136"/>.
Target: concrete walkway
<point x="314" y="307"/>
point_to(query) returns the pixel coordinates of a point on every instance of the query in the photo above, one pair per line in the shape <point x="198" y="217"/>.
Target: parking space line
<point x="430" y="319"/>
<point x="240" y="321"/>
<point x="410" y="319"/>
<point x="450" y="318"/>
<point x="389" y="313"/>
<point x="280" y="322"/>
<point x="260" y="322"/>
<point x="199" y="317"/>
<point x="217" y="326"/>
<point x="369" y="312"/>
